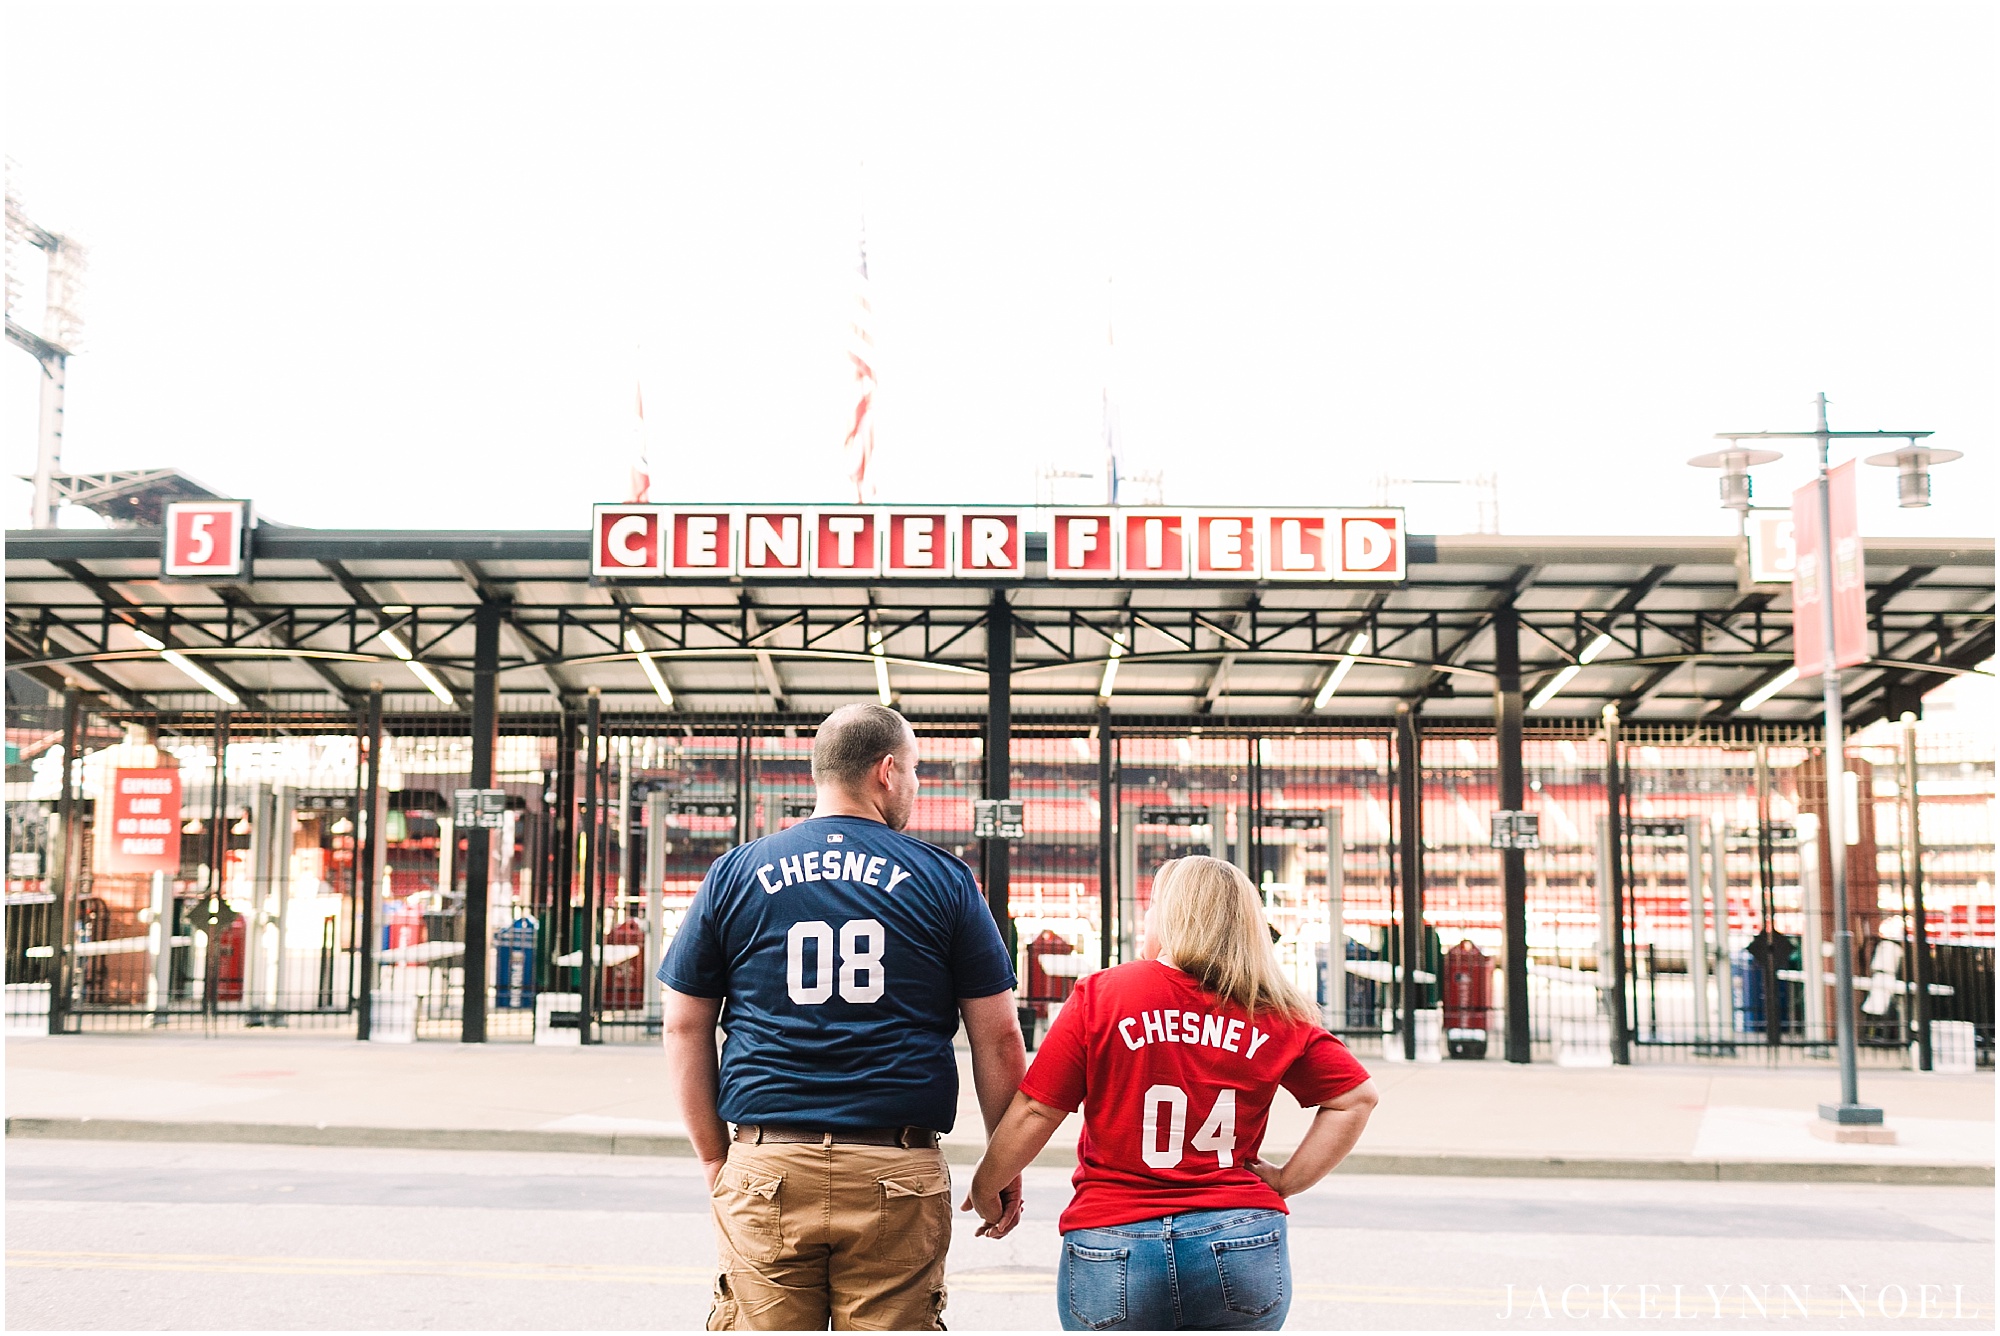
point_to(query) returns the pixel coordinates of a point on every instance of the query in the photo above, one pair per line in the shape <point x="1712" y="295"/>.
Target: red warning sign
<point x="145" y="832"/>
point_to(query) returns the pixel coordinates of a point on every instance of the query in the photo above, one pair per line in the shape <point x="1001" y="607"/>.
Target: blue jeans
<point x="1202" y="1270"/>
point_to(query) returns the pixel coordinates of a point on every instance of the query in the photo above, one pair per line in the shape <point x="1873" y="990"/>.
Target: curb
<point x="1363" y="1162"/>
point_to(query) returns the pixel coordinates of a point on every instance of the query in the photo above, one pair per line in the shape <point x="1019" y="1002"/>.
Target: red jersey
<point x="1176" y="1086"/>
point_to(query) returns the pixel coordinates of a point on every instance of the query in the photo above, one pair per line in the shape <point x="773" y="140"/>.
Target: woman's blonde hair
<point x="1211" y="926"/>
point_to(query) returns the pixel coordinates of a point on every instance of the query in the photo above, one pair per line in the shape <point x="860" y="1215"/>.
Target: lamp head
<point x="1735" y="462"/>
<point x="1912" y="463"/>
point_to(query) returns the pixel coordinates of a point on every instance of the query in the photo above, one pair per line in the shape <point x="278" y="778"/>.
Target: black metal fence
<point x="307" y="878"/>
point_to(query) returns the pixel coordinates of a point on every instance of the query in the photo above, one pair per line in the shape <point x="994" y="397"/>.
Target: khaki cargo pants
<point x="810" y="1235"/>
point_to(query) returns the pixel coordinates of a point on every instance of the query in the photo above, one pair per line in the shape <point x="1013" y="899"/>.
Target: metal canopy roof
<point x="1689" y="642"/>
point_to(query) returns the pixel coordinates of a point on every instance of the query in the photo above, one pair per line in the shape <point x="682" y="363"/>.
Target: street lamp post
<point x="1913" y="461"/>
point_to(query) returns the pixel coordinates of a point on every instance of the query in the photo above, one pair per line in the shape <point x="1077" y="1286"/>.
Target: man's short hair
<point x="853" y="740"/>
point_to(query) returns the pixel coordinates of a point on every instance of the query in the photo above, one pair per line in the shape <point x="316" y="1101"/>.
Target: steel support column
<point x="366" y="878"/>
<point x="218" y="808"/>
<point x="1614" y="804"/>
<point x="1250" y="836"/>
<point x="1513" y="862"/>
<point x="562" y="858"/>
<point x="479" y="841"/>
<point x="1919" y="934"/>
<point x="62" y="861"/>
<point x="1410" y="860"/>
<point x="593" y="856"/>
<point x="1107" y="808"/>
<point x="999" y="758"/>
<point x="744" y="827"/>
<point x="218" y="833"/>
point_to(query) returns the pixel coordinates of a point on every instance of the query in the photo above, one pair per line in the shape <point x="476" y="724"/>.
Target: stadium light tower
<point x="62" y="328"/>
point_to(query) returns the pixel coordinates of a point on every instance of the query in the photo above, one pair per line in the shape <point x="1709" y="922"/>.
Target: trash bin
<point x="1584" y="1043"/>
<point x="1430" y="1035"/>
<point x="27" y="1008"/>
<point x="558" y="1019"/>
<point x="1468" y="987"/>
<point x="230" y="948"/>
<point x="1049" y="982"/>
<point x="625" y="967"/>
<point x="392" y="1018"/>
<point x="514" y="964"/>
<point x="402" y="925"/>
<point x="1953" y="1047"/>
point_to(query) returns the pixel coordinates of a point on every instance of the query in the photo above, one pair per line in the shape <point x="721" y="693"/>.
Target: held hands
<point x="1000" y="1209"/>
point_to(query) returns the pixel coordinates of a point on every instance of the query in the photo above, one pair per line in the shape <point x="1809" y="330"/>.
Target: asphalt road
<point x="139" y="1236"/>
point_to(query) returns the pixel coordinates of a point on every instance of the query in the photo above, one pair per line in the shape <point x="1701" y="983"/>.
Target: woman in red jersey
<point x="1175" y="1058"/>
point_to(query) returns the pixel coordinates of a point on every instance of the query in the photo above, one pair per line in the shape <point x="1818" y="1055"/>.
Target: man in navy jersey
<point x="838" y="957"/>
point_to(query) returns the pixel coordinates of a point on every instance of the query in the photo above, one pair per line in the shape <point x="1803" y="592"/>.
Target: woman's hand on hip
<point x="1272" y="1174"/>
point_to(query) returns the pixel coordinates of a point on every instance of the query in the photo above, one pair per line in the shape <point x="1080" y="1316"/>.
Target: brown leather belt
<point x="906" y="1137"/>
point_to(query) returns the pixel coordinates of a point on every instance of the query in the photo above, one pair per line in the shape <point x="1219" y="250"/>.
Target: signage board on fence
<point x="324" y="800"/>
<point x="1175" y="816"/>
<point x="798" y="809"/>
<point x="1293" y="820"/>
<point x="1659" y="828"/>
<point x="144" y="834"/>
<point x="478" y="809"/>
<point x="998" y="819"/>
<point x="1781" y="832"/>
<point x="1516" y="830"/>
<point x="643" y="541"/>
<point x="717" y="807"/>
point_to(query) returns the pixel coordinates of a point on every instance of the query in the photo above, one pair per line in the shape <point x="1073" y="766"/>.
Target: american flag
<point x="859" y="448"/>
<point x="641" y="487"/>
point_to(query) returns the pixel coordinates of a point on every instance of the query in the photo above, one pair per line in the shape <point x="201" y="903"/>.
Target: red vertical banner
<point x="1850" y="577"/>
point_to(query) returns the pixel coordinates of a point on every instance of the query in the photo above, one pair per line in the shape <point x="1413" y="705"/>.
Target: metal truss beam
<point x="110" y="597"/>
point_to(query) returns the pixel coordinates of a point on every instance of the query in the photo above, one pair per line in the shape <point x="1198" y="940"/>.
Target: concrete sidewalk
<point x="1468" y="1118"/>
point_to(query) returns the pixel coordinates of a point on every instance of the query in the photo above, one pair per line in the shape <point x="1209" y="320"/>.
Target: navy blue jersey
<point x="841" y="949"/>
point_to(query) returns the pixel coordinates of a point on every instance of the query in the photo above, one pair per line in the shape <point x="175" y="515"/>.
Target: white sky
<point x="388" y="266"/>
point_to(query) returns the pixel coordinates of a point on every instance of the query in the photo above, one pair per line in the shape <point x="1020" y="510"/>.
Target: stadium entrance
<point x="1541" y="792"/>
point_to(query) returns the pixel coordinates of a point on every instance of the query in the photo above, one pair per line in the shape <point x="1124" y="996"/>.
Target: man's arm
<point x="999" y="1061"/>
<point x="999" y="1058"/>
<point x="687" y="1032"/>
